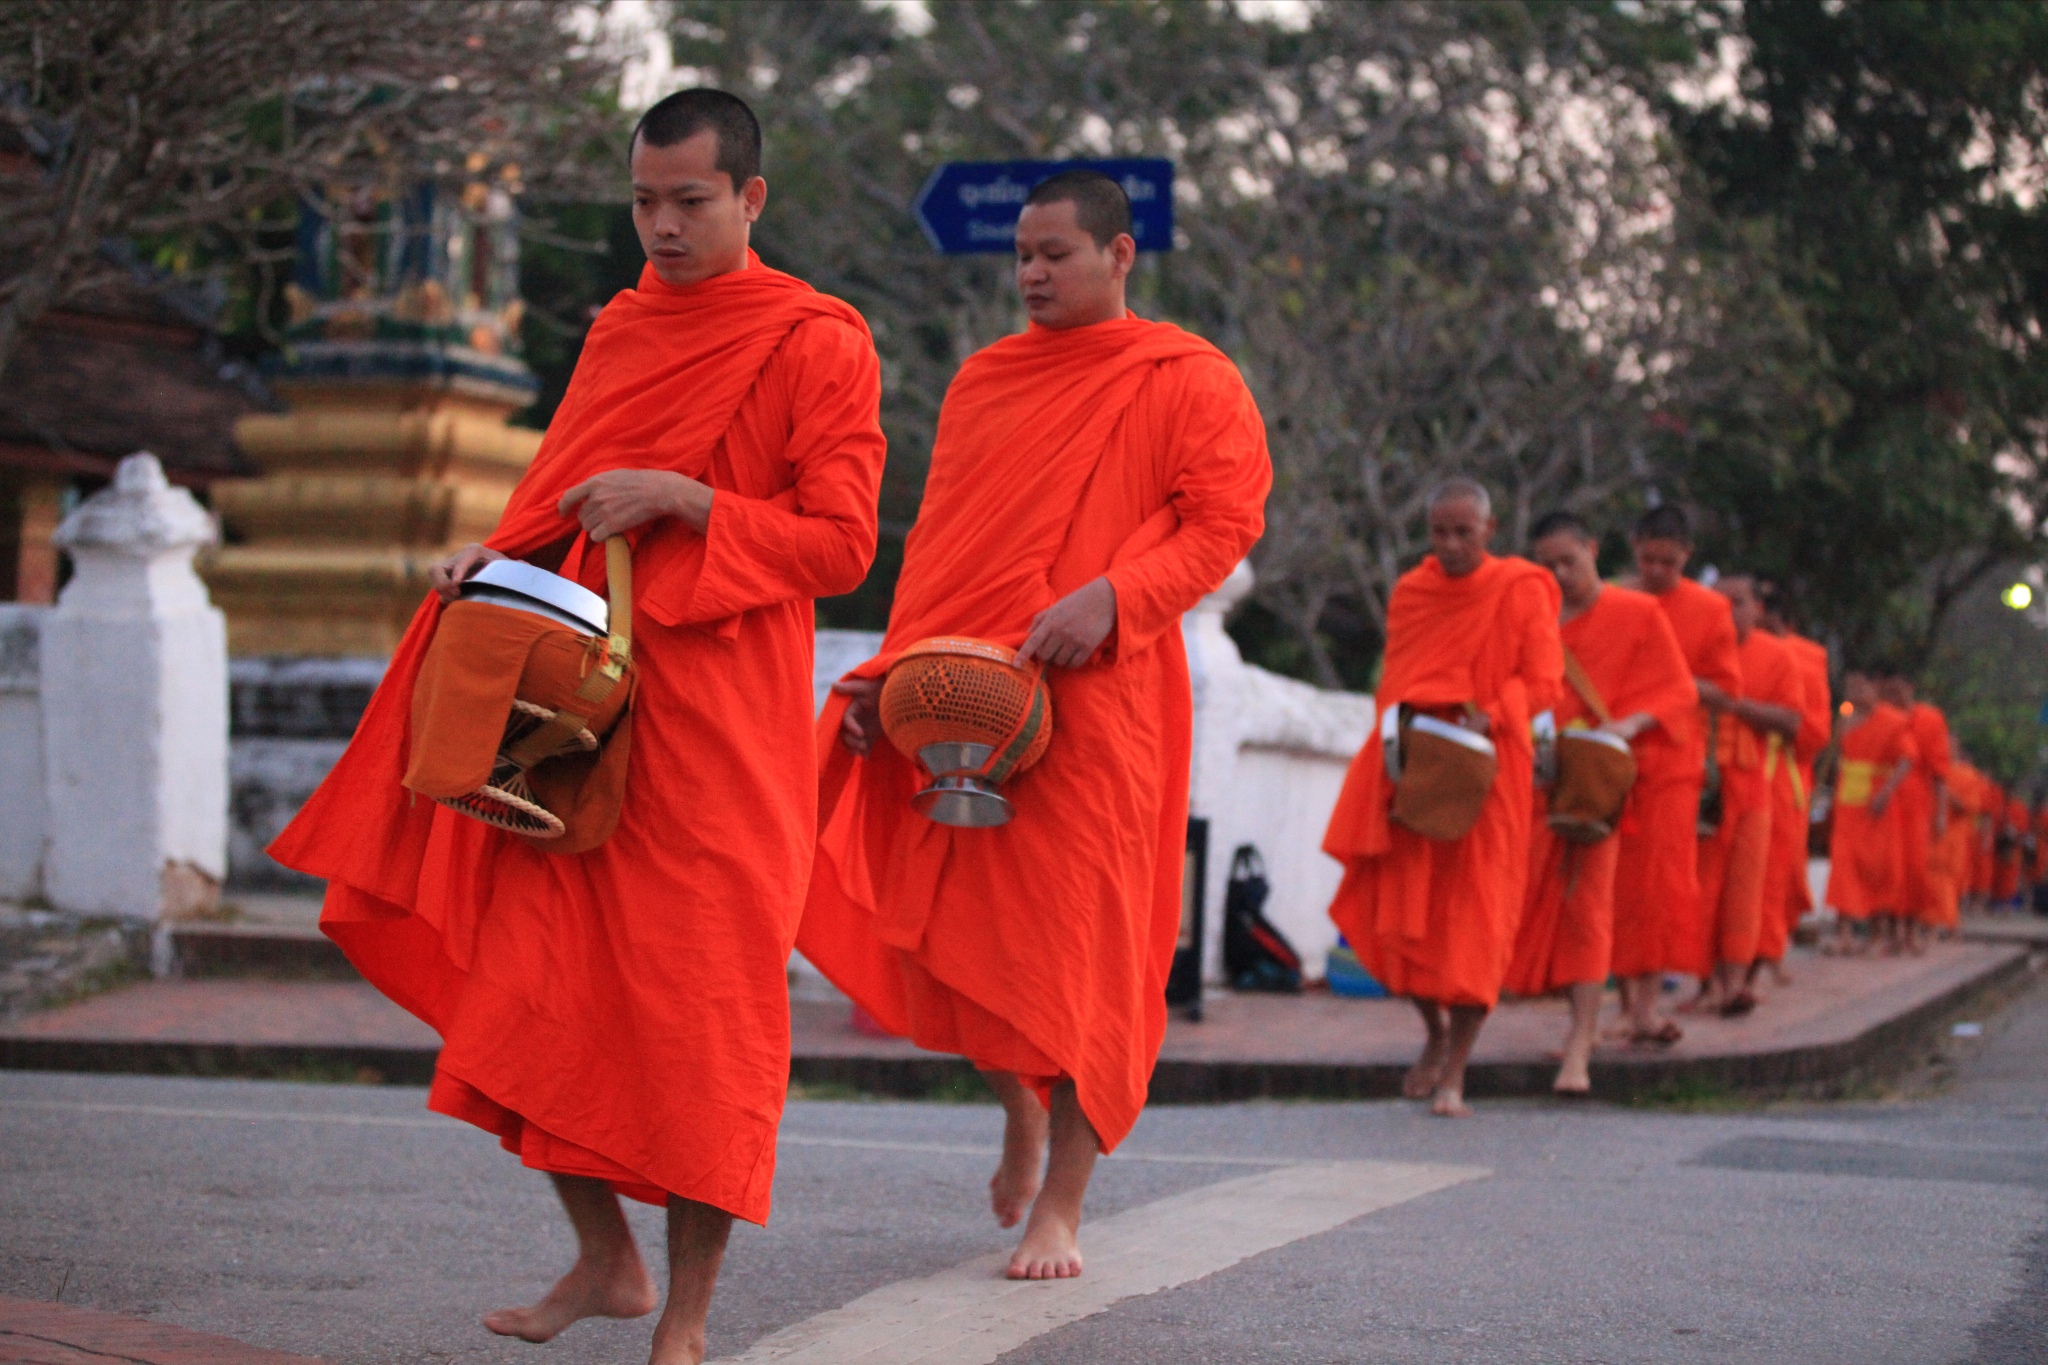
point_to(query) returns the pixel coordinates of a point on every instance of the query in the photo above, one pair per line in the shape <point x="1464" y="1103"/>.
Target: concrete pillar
<point x="135" y="707"/>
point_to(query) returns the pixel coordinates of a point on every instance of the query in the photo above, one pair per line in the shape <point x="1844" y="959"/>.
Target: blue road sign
<point x="972" y="206"/>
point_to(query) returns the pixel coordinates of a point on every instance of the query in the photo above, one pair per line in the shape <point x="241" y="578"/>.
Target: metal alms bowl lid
<point x="504" y="580"/>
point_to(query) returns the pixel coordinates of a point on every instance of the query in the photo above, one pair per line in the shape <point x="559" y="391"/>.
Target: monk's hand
<point x="618" y="500"/>
<point x="1069" y="631"/>
<point x="863" y="719"/>
<point x="1712" y="696"/>
<point x="1477" y="721"/>
<point x="447" y="577"/>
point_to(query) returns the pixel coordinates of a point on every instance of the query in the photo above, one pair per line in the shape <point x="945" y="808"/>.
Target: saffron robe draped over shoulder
<point x="1866" y="872"/>
<point x="624" y="1013"/>
<point x="1629" y="651"/>
<point x="1917" y="809"/>
<point x="1128" y="449"/>
<point x="1955" y="848"/>
<point x="1436" y="920"/>
<point x="1792" y="817"/>
<point x="1728" y="920"/>
<point x="1656" y="875"/>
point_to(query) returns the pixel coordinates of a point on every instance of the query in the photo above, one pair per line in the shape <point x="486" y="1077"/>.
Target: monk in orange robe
<point x="1637" y="677"/>
<point x="1954" y="850"/>
<point x="1984" y="848"/>
<point x="1656" y="876"/>
<point x="1752" y="743"/>
<point x="1866" y="874"/>
<point x="1787" y="894"/>
<point x="619" y="1018"/>
<point x="1093" y="478"/>
<point x="1472" y="639"/>
<point x="1923" y="812"/>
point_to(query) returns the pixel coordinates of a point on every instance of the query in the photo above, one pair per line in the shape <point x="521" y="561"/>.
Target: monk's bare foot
<point x="1420" y="1082"/>
<point x="682" y="1344"/>
<point x="1050" y="1250"/>
<point x="1779" y="976"/>
<point x="1022" y="1170"/>
<point x="1449" y="1103"/>
<point x="620" y="1289"/>
<point x="1574" y="1074"/>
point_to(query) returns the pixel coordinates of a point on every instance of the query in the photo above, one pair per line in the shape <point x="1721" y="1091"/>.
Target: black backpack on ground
<point x="1256" y="956"/>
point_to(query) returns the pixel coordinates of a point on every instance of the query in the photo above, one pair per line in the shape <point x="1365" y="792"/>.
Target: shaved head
<point x="1563" y="524"/>
<point x="1459" y="487"/>
<point x="1100" y="205"/>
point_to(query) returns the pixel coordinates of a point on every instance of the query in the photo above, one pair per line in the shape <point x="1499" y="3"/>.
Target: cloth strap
<point x="1582" y="683"/>
<point x="1003" y="759"/>
<point x="615" y="657"/>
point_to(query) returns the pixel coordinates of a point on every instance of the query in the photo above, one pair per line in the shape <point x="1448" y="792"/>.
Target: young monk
<point x="1866" y="874"/>
<point x="1634" y="668"/>
<point x="1472" y="639"/>
<point x="1093" y="478"/>
<point x="1752" y="744"/>
<point x="1787" y="894"/>
<point x="1656" y="876"/>
<point x="619" y="1018"/>
<point x="1923" y="813"/>
<point x="1953" y="853"/>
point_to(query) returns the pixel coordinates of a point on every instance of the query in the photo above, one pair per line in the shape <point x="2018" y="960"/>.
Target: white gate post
<point x="135" y="707"/>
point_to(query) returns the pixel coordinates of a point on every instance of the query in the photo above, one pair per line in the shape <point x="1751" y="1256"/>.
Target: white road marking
<point x="970" y="1314"/>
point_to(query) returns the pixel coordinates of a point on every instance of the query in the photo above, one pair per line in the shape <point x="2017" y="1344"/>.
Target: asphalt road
<point x="341" y="1222"/>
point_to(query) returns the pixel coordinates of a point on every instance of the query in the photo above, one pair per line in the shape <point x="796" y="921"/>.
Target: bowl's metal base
<point x="965" y="802"/>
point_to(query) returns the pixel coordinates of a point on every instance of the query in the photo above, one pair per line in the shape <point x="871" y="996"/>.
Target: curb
<point x="1818" y="1070"/>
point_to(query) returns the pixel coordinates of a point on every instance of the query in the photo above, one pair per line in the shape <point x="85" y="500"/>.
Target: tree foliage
<point x="195" y="122"/>
<point x="1893" y="155"/>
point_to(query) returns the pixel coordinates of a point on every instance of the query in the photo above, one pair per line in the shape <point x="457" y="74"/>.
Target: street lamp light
<point x="2019" y="596"/>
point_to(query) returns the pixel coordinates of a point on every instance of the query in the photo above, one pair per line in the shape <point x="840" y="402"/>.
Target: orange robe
<point x="1917" y="810"/>
<point x="1130" y="449"/>
<point x="1627" y="647"/>
<point x="1956" y="847"/>
<point x="624" y="1013"/>
<point x="1656" y="875"/>
<point x="1866" y="874"/>
<point x="1734" y="861"/>
<point x="1984" y="850"/>
<point x="1436" y="920"/>
<point x="1785" y="885"/>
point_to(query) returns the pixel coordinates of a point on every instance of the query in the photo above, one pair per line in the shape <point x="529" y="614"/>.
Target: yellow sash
<point x="1858" y="782"/>
<point x="1773" y="747"/>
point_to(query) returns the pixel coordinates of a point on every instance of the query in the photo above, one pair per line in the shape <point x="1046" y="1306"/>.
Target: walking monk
<point x="1751" y="751"/>
<point x="1787" y="893"/>
<point x="1093" y="478"/>
<point x="1866" y="874"/>
<point x="1656" y="875"/>
<point x="1636" y="674"/>
<point x="1471" y="639"/>
<point x="1957" y="847"/>
<point x="1923" y="814"/>
<point x="620" y="1018"/>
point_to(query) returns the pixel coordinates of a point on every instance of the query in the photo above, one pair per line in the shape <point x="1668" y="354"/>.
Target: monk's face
<point x="1459" y="533"/>
<point x="1660" y="563"/>
<point x="1572" y="561"/>
<point x="1066" y="279"/>
<point x="1897" y="691"/>
<point x="1744" y="602"/>
<point x="1859" y="692"/>
<point x="693" y="222"/>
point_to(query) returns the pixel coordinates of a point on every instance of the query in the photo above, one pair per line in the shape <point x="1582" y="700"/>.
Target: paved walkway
<point x="1839" y="1019"/>
<point x="33" y="1333"/>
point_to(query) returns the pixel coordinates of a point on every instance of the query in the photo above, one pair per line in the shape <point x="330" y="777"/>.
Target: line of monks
<point x="618" y="1017"/>
<point x="1727" y="713"/>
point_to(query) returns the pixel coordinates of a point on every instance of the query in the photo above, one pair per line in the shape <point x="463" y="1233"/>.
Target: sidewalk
<point x="33" y="1333"/>
<point x="1840" y="1022"/>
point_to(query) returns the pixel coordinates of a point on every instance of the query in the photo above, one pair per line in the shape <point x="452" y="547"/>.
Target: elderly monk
<point x="1752" y="751"/>
<point x="1656" y="876"/>
<point x="1787" y="893"/>
<point x="620" y="1018"/>
<point x="1633" y="683"/>
<point x="1923" y="813"/>
<point x="1866" y="873"/>
<point x="1473" y="639"/>
<point x="1093" y="478"/>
